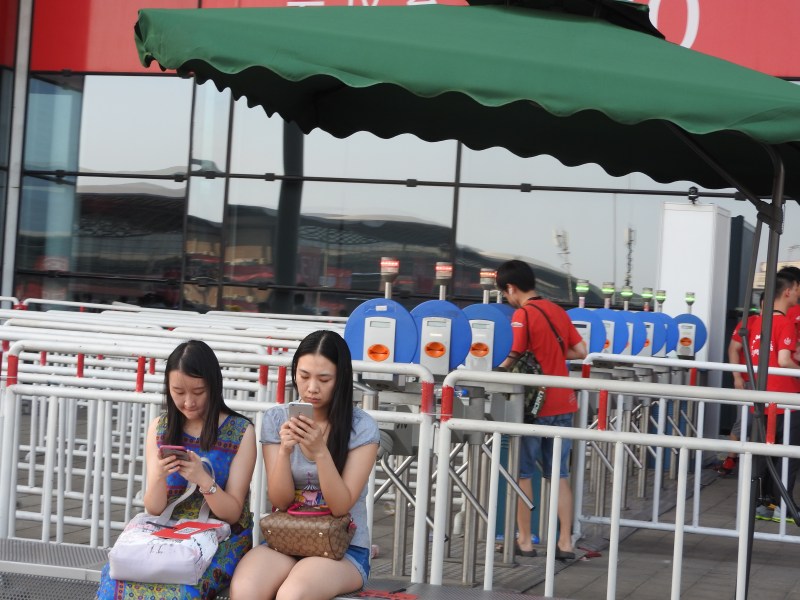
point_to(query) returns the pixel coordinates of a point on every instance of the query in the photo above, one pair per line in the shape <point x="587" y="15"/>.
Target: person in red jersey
<point x="782" y="352"/>
<point x="544" y="328"/>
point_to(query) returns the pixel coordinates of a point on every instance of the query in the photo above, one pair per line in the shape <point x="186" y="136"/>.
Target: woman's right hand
<point x="288" y="438"/>
<point x="167" y="466"/>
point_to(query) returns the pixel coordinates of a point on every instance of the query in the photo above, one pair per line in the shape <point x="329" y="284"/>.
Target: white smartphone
<point x="301" y="408"/>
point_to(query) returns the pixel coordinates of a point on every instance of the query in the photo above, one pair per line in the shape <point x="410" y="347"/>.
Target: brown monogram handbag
<point x="308" y="531"/>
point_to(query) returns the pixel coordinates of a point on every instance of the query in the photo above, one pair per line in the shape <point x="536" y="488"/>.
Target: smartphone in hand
<point x="179" y="451"/>
<point x="301" y="408"/>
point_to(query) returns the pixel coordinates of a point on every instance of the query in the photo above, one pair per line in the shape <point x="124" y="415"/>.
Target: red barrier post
<point x="13" y="369"/>
<point x="772" y="422"/>
<point x="43" y="358"/>
<point x="426" y="402"/>
<point x="152" y="369"/>
<point x="602" y="410"/>
<point x="140" y="373"/>
<point x="81" y="360"/>
<point x="586" y="371"/>
<point x="281" y="390"/>
<point x="693" y="377"/>
<point x="263" y="372"/>
<point x="447" y="402"/>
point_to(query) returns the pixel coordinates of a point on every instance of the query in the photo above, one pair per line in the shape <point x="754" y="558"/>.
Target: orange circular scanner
<point x="479" y="349"/>
<point x="378" y="352"/>
<point x="435" y="349"/>
<point x="686" y="341"/>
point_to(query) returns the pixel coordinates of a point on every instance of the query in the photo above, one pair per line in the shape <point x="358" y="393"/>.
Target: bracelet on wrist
<point x="212" y="489"/>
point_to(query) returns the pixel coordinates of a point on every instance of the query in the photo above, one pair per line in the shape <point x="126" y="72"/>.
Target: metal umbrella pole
<point x="763" y="465"/>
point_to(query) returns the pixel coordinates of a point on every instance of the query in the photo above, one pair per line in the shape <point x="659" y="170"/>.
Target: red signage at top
<point x="99" y="37"/>
<point x="758" y="35"/>
<point x="8" y="29"/>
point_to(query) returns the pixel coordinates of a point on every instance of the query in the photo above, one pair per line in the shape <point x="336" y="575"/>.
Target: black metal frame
<point x="772" y="214"/>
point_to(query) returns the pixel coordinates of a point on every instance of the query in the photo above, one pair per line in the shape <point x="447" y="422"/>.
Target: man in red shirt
<point x="545" y="329"/>
<point x="783" y="346"/>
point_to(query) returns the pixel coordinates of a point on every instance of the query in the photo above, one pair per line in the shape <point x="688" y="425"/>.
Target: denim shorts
<point x="533" y="449"/>
<point x="355" y="554"/>
<point x="360" y="558"/>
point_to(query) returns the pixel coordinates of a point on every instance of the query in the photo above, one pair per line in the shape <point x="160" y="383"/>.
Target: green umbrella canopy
<point x="534" y="81"/>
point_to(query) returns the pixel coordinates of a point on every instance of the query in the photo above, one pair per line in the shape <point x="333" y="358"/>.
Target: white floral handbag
<point x="142" y="553"/>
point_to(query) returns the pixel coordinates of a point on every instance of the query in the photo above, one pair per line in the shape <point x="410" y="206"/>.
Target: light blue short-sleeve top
<point x="304" y="471"/>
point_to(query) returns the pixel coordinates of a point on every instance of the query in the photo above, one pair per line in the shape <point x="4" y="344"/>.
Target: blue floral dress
<point x="220" y="571"/>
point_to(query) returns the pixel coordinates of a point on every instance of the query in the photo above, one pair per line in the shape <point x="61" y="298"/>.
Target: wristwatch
<point x="211" y="490"/>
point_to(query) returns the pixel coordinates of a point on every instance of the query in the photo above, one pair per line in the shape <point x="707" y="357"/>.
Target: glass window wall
<point x="135" y="125"/>
<point x="88" y="289"/>
<point x="346" y="228"/>
<point x="250" y="229"/>
<point x="53" y="124"/>
<point x="204" y="230"/>
<point x="121" y="227"/>
<point x="257" y="140"/>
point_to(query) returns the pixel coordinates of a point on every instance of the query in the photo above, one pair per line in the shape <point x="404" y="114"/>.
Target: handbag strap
<point x="549" y="322"/>
<point x="205" y="509"/>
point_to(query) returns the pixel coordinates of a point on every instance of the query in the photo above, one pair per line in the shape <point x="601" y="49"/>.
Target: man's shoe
<point x="764" y="513"/>
<point x="728" y="466"/>
<point x="776" y="516"/>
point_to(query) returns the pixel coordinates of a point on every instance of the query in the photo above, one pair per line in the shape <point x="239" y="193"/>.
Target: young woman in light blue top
<point x="323" y="460"/>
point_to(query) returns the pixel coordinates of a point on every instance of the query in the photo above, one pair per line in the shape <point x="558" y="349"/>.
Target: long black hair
<point x="340" y="410"/>
<point x="195" y="359"/>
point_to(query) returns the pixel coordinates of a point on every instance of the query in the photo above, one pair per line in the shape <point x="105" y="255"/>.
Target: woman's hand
<point x="167" y="466"/>
<point x="307" y="433"/>
<point x="289" y="438"/>
<point x="193" y="471"/>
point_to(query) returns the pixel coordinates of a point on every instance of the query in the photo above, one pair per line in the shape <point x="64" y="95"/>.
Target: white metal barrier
<point x="700" y="399"/>
<point x="100" y="453"/>
<point x="149" y="341"/>
<point x="618" y="439"/>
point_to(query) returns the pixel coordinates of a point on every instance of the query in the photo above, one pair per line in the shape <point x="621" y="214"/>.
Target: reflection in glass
<point x="135" y="124"/>
<point x="6" y="87"/>
<point x="246" y="299"/>
<point x="366" y="156"/>
<point x="121" y="227"/>
<point x="250" y="231"/>
<point x="53" y="123"/>
<point x="131" y="227"/>
<point x="47" y="220"/>
<point x="204" y="229"/>
<point x="346" y="228"/>
<point x="101" y="291"/>
<point x="495" y="225"/>
<point x="432" y="205"/>
<point x="200" y="297"/>
<point x="210" y="133"/>
<point x="257" y="144"/>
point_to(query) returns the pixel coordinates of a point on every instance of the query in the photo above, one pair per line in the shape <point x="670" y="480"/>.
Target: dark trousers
<point x="768" y="485"/>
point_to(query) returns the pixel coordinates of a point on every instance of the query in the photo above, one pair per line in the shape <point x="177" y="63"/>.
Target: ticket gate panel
<point x="692" y="335"/>
<point x="637" y="333"/>
<point x="616" y="330"/>
<point x="381" y="330"/>
<point x="444" y="336"/>
<point x="481" y="351"/>
<point x="670" y="332"/>
<point x="590" y="327"/>
<point x="491" y="336"/>
<point x="379" y="334"/>
<point x="655" y="331"/>
<point x="434" y="340"/>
